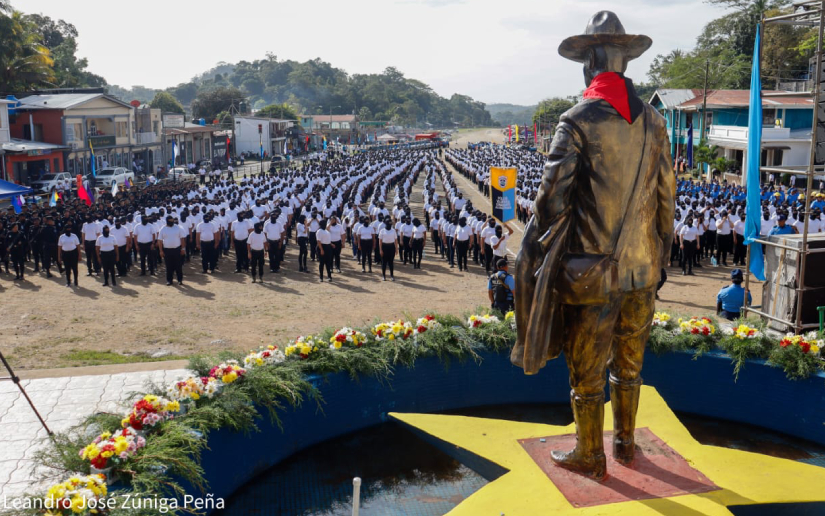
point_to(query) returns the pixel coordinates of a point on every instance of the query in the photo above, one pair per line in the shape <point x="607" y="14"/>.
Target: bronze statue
<point x="592" y="254"/>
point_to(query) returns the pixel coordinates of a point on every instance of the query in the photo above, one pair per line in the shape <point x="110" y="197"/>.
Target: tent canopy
<point x="10" y="190"/>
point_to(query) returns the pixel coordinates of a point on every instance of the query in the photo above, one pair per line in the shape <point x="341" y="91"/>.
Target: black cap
<point x="736" y="274"/>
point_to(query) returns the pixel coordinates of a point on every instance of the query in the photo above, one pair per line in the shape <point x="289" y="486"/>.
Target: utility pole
<point x="704" y="106"/>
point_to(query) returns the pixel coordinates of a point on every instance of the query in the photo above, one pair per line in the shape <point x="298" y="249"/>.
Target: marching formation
<point x="360" y="202"/>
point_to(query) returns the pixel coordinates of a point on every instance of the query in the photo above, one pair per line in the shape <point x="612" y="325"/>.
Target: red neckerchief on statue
<point x="616" y="90"/>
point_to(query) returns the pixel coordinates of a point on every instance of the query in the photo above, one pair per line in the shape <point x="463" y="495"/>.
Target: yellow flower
<point x="337" y="345"/>
<point x="121" y="444"/>
<point x="230" y="377"/>
<point x="91" y="452"/>
<point x="78" y="504"/>
<point x="124" y="422"/>
<point x="195" y="396"/>
<point x="814" y="348"/>
<point x="105" y="435"/>
<point x="391" y="337"/>
<point x="107" y="454"/>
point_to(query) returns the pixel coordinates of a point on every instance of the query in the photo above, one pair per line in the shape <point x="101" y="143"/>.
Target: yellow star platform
<point x="673" y="473"/>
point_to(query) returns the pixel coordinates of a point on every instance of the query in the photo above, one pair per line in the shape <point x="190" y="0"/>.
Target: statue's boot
<point x="624" y="397"/>
<point x="587" y="457"/>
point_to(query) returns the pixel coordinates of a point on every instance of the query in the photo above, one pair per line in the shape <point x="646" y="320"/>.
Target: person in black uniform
<point x="49" y="236"/>
<point x="15" y="245"/>
<point x="35" y="243"/>
<point x="4" y="253"/>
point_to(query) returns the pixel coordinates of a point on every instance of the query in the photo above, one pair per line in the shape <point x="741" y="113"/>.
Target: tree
<point x="281" y="111"/>
<point x="60" y="37"/>
<point x="364" y="113"/>
<point x="549" y="110"/>
<point x="25" y="63"/>
<point x="184" y="92"/>
<point x="705" y="154"/>
<point x="209" y="103"/>
<point x="166" y="103"/>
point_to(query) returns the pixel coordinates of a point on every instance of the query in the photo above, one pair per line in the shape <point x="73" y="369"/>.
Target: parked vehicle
<point x="110" y="175"/>
<point x="49" y="181"/>
<point x="181" y="174"/>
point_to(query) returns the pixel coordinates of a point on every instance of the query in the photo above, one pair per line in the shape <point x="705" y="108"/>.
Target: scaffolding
<point x="807" y="14"/>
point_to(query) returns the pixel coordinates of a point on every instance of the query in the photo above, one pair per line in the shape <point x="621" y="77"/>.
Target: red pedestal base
<point x="657" y="472"/>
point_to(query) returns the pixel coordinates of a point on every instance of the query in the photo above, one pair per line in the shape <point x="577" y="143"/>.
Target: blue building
<point x="786" y="124"/>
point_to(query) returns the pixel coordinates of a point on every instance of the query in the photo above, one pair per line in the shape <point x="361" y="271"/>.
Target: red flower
<point x="806" y="347"/>
<point x="694" y="331"/>
<point x="303" y="355"/>
<point x="429" y="317"/>
<point x="99" y="462"/>
<point x="266" y="354"/>
<point x="422" y="329"/>
<point x="785" y="343"/>
<point x="705" y="330"/>
<point x="380" y="333"/>
<point x="359" y="344"/>
<point x="341" y="337"/>
<point x="476" y="323"/>
<point x="205" y="380"/>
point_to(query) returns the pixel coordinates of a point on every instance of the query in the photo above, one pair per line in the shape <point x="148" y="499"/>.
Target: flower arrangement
<point x="695" y="326"/>
<point x="77" y="495"/>
<point x="112" y="449"/>
<point x="393" y="330"/>
<point x="303" y="347"/>
<point x="193" y="389"/>
<point x="661" y="319"/>
<point x="425" y="323"/>
<point x="347" y="337"/>
<point x="742" y="332"/>
<point x="478" y="320"/>
<point x="149" y="411"/>
<point x="809" y="343"/>
<point x="266" y="355"/>
<point x="228" y="371"/>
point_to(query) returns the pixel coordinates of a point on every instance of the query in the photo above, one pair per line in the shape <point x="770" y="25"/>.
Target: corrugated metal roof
<point x="741" y="98"/>
<point x="63" y="100"/>
<point x="672" y="98"/>
<point x="17" y="145"/>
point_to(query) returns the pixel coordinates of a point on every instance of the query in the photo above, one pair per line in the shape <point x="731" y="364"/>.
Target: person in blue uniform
<point x="781" y="228"/>
<point x="730" y="299"/>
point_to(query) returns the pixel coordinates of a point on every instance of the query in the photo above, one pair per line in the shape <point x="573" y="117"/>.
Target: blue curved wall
<point x="762" y="396"/>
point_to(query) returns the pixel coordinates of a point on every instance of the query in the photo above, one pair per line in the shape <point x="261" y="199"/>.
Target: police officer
<point x="730" y="299"/>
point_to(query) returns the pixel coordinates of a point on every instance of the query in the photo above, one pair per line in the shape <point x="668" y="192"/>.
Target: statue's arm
<point x="559" y="176"/>
<point x="666" y="191"/>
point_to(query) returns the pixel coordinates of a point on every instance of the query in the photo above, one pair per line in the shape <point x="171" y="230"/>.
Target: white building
<point x="272" y="135"/>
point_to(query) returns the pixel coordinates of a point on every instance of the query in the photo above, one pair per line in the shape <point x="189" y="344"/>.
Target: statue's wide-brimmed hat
<point x="604" y="28"/>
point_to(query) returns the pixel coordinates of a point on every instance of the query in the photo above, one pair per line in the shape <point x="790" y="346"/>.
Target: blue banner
<point x="754" y="213"/>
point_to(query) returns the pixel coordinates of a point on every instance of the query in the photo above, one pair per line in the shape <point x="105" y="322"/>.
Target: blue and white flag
<point x="174" y="152"/>
<point x="753" y="209"/>
<point x="690" y="146"/>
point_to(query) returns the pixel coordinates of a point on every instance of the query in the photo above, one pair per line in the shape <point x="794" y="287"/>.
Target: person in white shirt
<point x="91" y="230"/>
<point x="302" y="234"/>
<point x="107" y="254"/>
<point x="365" y="239"/>
<point x="172" y="247"/>
<point x="274" y="232"/>
<point x="326" y="252"/>
<point x="498" y="242"/>
<point x="240" y="233"/>
<point x="123" y="239"/>
<point x="419" y="240"/>
<point x="257" y="246"/>
<point x="388" y="240"/>
<point x="207" y="234"/>
<point x="144" y="236"/>
<point x="689" y="244"/>
<point x="68" y="254"/>
<point x="486" y="236"/>
<point x="724" y="238"/>
<point x="463" y="241"/>
<point x="435" y="227"/>
<point x="336" y="232"/>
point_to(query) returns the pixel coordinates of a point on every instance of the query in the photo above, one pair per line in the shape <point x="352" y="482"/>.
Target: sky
<point x="492" y="50"/>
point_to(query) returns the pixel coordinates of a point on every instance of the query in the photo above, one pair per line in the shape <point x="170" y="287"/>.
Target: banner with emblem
<point x="503" y="193"/>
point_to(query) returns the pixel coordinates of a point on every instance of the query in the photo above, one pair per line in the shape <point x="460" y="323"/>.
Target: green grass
<point x="78" y="357"/>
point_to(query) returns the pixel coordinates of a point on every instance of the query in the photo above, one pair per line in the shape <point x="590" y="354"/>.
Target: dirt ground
<point x="46" y="325"/>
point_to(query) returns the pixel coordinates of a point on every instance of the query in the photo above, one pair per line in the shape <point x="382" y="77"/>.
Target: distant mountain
<point x="317" y="87"/>
<point x="509" y="114"/>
